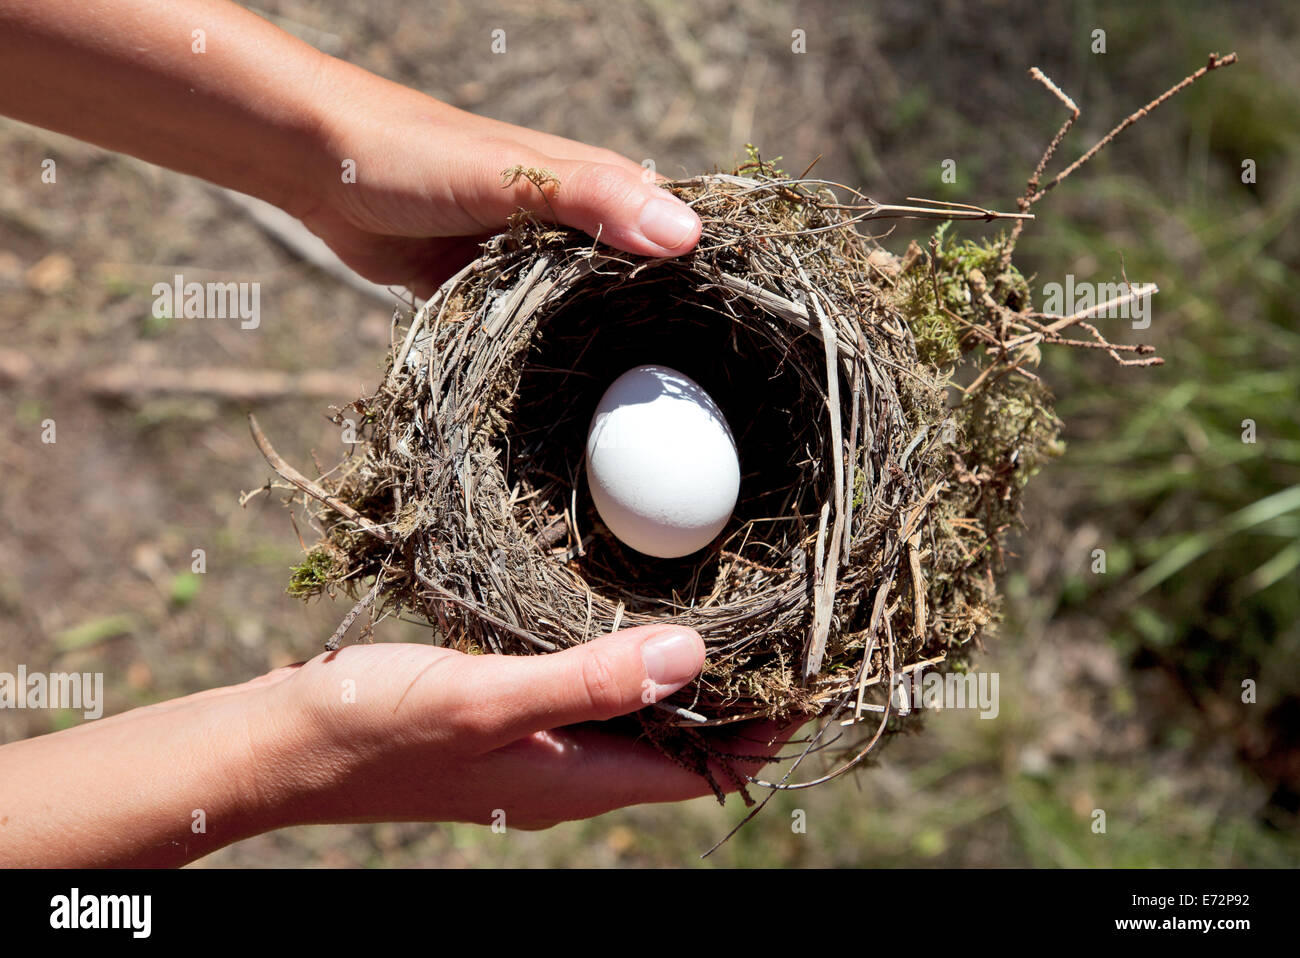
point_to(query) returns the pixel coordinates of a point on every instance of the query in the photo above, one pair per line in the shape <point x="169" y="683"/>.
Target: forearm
<point x="245" y="113"/>
<point x="156" y="786"/>
<point x="384" y="732"/>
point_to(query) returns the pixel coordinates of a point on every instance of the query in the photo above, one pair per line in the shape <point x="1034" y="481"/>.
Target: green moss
<point x="942" y="300"/>
<point x="1012" y="427"/>
<point x="859" y="489"/>
<point x="312" y="575"/>
<point x="937" y="339"/>
<point x="756" y="164"/>
<point x="954" y="295"/>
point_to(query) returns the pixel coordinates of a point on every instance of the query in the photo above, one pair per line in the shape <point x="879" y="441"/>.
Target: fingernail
<point x="672" y="657"/>
<point x="667" y="222"/>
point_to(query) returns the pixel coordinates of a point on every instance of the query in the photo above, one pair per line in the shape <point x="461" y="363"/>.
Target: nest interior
<point x="608" y="329"/>
<point x="874" y="494"/>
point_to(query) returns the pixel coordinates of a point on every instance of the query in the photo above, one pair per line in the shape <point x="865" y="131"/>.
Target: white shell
<point x="661" y="463"/>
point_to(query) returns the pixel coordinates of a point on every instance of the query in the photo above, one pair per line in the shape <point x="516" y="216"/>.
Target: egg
<point x="662" y="464"/>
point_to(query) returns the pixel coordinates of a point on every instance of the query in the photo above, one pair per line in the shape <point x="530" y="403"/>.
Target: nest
<point x="876" y="488"/>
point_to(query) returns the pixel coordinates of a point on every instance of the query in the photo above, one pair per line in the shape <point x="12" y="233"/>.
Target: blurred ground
<point x="1127" y="705"/>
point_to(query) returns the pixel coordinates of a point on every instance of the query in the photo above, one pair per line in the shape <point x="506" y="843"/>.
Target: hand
<point x="265" y="114"/>
<point x="437" y="735"/>
<point x="370" y="733"/>
<point x="428" y="186"/>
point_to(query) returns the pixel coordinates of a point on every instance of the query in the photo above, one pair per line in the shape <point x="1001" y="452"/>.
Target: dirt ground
<point x="98" y="530"/>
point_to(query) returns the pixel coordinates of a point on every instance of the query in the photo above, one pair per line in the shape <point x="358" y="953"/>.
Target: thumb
<point x="624" y="208"/>
<point x="501" y="698"/>
<point x="617" y="203"/>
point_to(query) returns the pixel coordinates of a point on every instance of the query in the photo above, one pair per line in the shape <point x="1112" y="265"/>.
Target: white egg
<point x="661" y="463"/>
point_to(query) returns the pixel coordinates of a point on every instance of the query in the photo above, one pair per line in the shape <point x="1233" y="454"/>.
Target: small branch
<point x="693" y="717"/>
<point x="1215" y="62"/>
<point x="938" y="210"/>
<point x="133" y="382"/>
<point x="1032" y="192"/>
<point x="1031" y="187"/>
<point x="337" y="638"/>
<point x="290" y="474"/>
<point x="1135" y="292"/>
<point x="221" y="383"/>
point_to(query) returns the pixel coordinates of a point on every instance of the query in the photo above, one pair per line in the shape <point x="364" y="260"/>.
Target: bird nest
<point x="884" y="409"/>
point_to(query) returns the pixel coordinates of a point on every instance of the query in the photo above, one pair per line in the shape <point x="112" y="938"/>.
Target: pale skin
<point x="381" y="732"/>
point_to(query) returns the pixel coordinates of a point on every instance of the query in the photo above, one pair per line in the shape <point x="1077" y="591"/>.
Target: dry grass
<point x="871" y="527"/>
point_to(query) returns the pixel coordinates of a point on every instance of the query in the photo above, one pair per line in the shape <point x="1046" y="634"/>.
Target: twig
<point x="1032" y="191"/>
<point x="1026" y="201"/>
<point x="693" y="717"/>
<point x="337" y="638"/>
<point x="1214" y="63"/>
<point x="872" y="210"/>
<point x="1063" y="322"/>
<point x="290" y="474"/>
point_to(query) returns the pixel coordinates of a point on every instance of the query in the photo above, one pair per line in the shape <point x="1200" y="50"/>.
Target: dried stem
<point x="290" y="474"/>
<point x="1214" y="63"/>
<point x="1032" y="191"/>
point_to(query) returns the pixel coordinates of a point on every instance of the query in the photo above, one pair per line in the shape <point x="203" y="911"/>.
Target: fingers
<point x="615" y="202"/>
<point x="624" y="209"/>
<point x="557" y="146"/>
<point x="576" y="773"/>
<point x="749" y="746"/>
<point x="494" y="700"/>
<point x="543" y="143"/>
<point x="587" y="770"/>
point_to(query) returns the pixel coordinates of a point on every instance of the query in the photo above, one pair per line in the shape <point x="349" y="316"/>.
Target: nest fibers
<point x="871" y="510"/>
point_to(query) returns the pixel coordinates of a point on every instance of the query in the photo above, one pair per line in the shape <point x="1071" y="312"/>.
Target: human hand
<point x="436" y="735"/>
<point x="428" y="185"/>
<point x="370" y="733"/>
<point x="265" y="114"/>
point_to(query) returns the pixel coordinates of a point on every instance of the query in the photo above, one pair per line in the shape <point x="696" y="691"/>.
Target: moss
<point x="756" y="164"/>
<point x="960" y="274"/>
<point x="859" y="489"/>
<point x="1005" y="427"/>
<point x="1013" y="428"/>
<point x="937" y="342"/>
<point x="313" y="575"/>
